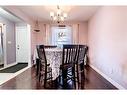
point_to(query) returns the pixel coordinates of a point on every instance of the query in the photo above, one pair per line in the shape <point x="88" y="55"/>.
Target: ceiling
<point x="75" y="13"/>
<point x="9" y="16"/>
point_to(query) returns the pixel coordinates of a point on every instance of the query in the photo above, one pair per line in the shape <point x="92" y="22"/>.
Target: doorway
<point x="23" y="43"/>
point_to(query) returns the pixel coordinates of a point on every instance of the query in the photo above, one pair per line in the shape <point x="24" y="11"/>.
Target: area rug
<point x="14" y="68"/>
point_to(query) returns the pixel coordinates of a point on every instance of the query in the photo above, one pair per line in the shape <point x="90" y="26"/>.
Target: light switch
<point x="9" y="42"/>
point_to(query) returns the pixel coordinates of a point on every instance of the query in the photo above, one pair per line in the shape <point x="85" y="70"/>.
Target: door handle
<point x="18" y="47"/>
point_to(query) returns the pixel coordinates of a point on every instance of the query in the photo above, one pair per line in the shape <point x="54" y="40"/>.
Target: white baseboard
<point x="108" y="78"/>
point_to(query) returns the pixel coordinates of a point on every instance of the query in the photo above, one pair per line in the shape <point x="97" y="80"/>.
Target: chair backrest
<point x="86" y="49"/>
<point x="86" y="55"/>
<point x="41" y="53"/>
<point x="81" y="53"/>
<point x="69" y="54"/>
<point x="50" y="46"/>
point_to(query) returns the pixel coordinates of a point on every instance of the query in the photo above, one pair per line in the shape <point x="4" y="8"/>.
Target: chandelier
<point x="59" y="16"/>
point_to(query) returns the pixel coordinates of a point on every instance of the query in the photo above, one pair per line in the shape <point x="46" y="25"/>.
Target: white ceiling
<point x="9" y="16"/>
<point x="75" y="13"/>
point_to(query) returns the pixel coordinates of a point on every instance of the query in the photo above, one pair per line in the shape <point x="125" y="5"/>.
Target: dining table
<point x="54" y="58"/>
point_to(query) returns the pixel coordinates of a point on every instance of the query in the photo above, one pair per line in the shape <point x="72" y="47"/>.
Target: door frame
<point x="30" y="49"/>
<point x="4" y="44"/>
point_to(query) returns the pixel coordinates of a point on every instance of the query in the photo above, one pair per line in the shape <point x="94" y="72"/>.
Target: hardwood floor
<point x="28" y="80"/>
<point x="94" y="80"/>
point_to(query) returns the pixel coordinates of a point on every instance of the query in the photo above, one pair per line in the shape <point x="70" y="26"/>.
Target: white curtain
<point x="48" y="34"/>
<point x="75" y="33"/>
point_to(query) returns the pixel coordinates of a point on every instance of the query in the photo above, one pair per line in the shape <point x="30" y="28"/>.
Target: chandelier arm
<point x="58" y="7"/>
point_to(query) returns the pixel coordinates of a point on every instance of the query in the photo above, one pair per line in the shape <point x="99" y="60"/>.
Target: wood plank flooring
<point x="28" y="80"/>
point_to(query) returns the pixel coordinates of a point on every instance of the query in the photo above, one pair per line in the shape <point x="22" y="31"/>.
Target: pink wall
<point x="107" y="39"/>
<point x="83" y="33"/>
<point x="40" y="36"/>
<point x="33" y="39"/>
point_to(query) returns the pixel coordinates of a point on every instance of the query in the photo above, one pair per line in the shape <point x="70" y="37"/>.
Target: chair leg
<point x="37" y="65"/>
<point x="74" y="78"/>
<point x="64" y="80"/>
<point x="51" y="79"/>
<point x="82" y="70"/>
<point x="45" y="79"/>
<point x="39" y="77"/>
<point x="59" y="78"/>
<point x="77" y="72"/>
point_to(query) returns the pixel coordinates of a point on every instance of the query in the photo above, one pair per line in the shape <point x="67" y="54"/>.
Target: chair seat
<point x="80" y="62"/>
<point x="44" y="63"/>
<point x="49" y="69"/>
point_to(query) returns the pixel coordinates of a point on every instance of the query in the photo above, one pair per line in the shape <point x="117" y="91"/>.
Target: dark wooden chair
<point x="45" y="71"/>
<point x="68" y="64"/>
<point x="86" y="56"/>
<point x="81" y="57"/>
<point x="80" y="63"/>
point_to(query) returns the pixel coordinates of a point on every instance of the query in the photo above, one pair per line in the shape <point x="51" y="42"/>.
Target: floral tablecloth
<point x="54" y="58"/>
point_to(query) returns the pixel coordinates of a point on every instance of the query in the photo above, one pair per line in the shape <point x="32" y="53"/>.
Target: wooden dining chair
<point x="80" y="63"/>
<point x="45" y="71"/>
<point x="68" y="64"/>
<point x="86" y="56"/>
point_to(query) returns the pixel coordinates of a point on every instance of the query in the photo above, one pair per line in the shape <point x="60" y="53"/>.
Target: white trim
<point x="9" y="65"/>
<point x="12" y="75"/>
<point x="29" y="34"/>
<point x="4" y="45"/>
<point x="108" y="78"/>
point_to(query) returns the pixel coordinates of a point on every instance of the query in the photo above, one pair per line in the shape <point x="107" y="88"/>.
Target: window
<point x="61" y="35"/>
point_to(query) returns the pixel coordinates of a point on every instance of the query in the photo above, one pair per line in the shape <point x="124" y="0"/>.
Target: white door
<point x="22" y="43"/>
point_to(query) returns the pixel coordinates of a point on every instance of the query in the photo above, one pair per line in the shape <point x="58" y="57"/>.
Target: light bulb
<point x="54" y="18"/>
<point x="65" y="15"/>
<point x="52" y="14"/>
<point x="62" y="18"/>
<point x="58" y="12"/>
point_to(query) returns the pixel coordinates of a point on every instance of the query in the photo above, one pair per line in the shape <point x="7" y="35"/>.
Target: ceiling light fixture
<point x="59" y="16"/>
<point x="36" y="28"/>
